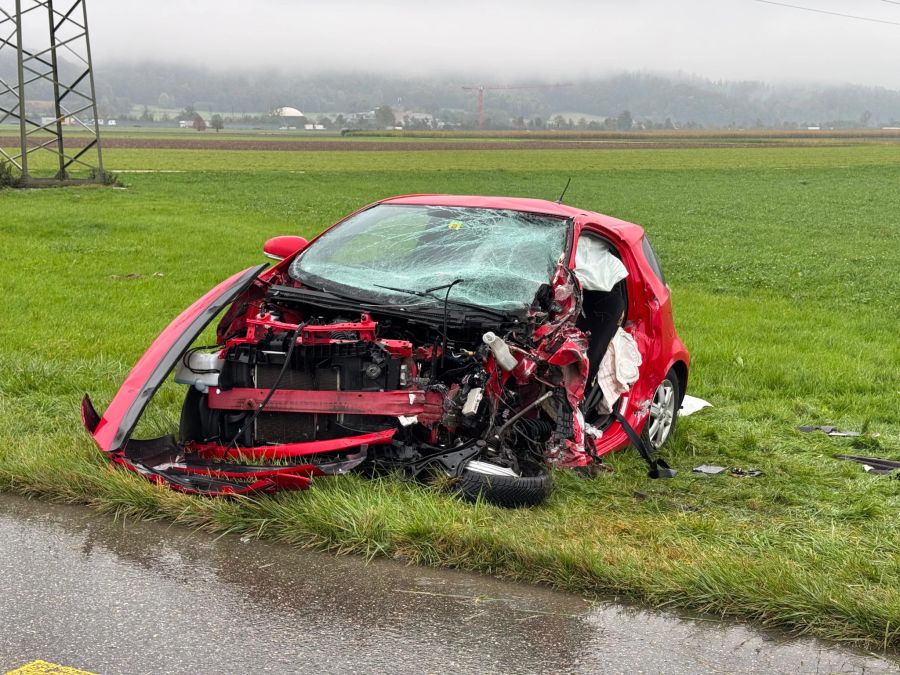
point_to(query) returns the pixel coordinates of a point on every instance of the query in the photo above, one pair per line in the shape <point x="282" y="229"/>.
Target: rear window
<point x="653" y="259"/>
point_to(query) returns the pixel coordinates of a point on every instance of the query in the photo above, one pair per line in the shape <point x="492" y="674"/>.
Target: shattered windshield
<point x="502" y="256"/>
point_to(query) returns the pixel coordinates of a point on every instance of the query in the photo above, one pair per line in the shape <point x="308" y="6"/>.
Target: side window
<point x="653" y="259"/>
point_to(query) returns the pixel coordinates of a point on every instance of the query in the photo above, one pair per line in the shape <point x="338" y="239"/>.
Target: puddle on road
<point x="78" y="588"/>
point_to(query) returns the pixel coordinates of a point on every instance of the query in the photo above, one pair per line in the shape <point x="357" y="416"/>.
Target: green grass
<point x="784" y="268"/>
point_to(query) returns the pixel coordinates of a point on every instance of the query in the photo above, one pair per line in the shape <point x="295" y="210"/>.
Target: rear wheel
<point x="503" y="487"/>
<point x="663" y="412"/>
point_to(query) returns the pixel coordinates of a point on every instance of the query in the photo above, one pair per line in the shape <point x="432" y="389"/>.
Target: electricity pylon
<point x="48" y="89"/>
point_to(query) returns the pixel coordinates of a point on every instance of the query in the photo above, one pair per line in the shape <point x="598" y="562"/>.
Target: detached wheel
<point x="663" y="412"/>
<point x="502" y="487"/>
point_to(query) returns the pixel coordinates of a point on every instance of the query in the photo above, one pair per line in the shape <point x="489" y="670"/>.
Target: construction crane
<point x="481" y="88"/>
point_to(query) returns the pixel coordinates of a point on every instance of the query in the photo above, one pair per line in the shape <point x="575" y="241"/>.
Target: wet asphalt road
<point x="81" y="590"/>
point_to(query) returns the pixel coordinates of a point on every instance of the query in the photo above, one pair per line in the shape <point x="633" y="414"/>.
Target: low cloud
<point x="510" y="40"/>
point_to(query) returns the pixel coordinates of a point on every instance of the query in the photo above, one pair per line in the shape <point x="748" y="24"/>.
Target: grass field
<point x="784" y="268"/>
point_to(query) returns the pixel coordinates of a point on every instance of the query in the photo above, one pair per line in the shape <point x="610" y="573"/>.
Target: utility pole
<point x="54" y="76"/>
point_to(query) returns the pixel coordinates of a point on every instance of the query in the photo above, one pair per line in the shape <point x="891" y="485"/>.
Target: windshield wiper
<point x="421" y="294"/>
<point x="361" y="301"/>
<point x="429" y="293"/>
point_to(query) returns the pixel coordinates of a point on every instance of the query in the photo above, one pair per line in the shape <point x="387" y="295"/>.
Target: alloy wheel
<point x="662" y="414"/>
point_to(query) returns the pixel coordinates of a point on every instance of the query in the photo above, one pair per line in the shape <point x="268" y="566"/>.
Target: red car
<point x="483" y="338"/>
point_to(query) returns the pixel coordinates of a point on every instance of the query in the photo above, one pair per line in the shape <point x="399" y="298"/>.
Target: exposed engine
<point x="416" y="391"/>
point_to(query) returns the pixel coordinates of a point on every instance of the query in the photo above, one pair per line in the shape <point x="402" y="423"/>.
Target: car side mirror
<point x="279" y="248"/>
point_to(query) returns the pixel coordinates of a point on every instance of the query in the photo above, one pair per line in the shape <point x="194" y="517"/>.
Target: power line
<point x="825" y="11"/>
<point x="891" y="2"/>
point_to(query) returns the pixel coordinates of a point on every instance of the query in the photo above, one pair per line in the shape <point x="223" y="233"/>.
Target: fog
<point x="503" y="40"/>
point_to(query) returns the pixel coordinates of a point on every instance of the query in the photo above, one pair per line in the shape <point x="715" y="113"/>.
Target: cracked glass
<point x="502" y="256"/>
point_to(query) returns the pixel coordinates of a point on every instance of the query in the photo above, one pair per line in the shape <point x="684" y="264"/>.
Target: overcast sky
<point x="503" y="40"/>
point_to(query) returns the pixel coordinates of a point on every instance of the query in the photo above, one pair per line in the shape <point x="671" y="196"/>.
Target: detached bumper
<point x="113" y="429"/>
<point x="196" y="469"/>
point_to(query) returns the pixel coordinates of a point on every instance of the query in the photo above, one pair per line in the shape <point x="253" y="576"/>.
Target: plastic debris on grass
<point x="876" y="465"/>
<point x="709" y="469"/>
<point x="829" y="430"/>
<point x="738" y="472"/>
<point x="692" y="404"/>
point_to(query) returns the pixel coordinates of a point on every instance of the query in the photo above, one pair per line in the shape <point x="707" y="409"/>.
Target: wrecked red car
<point x="487" y="339"/>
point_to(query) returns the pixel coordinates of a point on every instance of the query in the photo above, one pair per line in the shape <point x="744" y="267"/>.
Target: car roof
<point x="484" y="202"/>
<point x="515" y="204"/>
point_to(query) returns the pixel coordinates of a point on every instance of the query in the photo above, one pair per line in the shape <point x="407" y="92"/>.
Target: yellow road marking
<point x="46" y="668"/>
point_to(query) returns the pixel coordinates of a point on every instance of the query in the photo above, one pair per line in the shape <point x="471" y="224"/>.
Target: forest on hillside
<point x="648" y="99"/>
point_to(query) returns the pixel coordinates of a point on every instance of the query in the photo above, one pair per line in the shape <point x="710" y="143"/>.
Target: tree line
<point x="337" y="100"/>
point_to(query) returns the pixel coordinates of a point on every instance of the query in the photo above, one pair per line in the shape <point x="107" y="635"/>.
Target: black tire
<point x="507" y="491"/>
<point x="653" y="441"/>
<point x="190" y="427"/>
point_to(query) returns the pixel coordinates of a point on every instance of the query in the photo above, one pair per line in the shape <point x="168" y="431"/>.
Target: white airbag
<point x="596" y="267"/>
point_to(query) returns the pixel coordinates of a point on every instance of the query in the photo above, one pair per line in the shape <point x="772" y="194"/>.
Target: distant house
<point x="368" y="116"/>
<point x="69" y="121"/>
